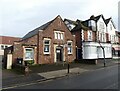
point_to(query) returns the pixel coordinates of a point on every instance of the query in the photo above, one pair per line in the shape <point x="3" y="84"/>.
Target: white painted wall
<point x="101" y="31"/>
<point x="9" y="61"/>
<point x="92" y="50"/>
<point x="108" y="51"/>
<point x="82" y="34"/>
<point x="98" y="25"/>
<point x="2" y="51"/>
<point x="111" y="32"/>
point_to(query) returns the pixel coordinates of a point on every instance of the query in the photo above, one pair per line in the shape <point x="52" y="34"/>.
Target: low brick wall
<point x="19" y="68"/>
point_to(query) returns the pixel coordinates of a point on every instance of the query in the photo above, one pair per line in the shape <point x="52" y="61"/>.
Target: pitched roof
<point x="107" y="20"/>
<point x="97" y="17"/>
<point x="70" y="21"/>
<point x="80" y="25"/>
<point x="8" y="40"/>
<point x="35" y="31"/>
<point x="117" y="33"/>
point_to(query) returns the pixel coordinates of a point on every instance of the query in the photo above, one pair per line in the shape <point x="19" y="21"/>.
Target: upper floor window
<point x="117" y="40"/>
<point x="103" y="37"/>
<point x="100" y="36"/>
<point x="69" y="47"/>
<point x="101" y="26"/>
<point x="29" y="54"/>
<point x="91" y="23"/>
<point x="46" y="46"/>
<point x="59" y="35"/>
<point x="89" y="35"/>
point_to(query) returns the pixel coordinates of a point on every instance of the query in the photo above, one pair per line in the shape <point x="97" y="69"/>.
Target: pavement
<point x="10" y="79"/>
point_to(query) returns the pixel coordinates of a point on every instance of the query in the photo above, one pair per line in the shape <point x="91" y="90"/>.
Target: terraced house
<point x="93" y="34"/>
<point x="49" y="43"/>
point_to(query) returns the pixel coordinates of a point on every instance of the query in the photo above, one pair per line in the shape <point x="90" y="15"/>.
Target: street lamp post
<point x="103" y="53"/>
<point x="68" y="65"/>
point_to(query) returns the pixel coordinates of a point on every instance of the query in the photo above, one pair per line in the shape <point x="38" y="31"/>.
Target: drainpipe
<point x="38" y="48"/>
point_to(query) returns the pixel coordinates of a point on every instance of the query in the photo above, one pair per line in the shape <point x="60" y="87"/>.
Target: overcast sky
<point x="18" y="17"/>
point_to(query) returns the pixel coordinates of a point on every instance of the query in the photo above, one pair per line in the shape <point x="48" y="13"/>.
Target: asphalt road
<point x="105" y="78"/>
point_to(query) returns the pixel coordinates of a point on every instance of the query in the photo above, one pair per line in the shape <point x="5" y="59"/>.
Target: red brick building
<point x="6" y="41"/>
<point x="49" y="43"/>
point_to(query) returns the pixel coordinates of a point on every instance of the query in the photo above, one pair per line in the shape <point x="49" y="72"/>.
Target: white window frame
<point x="46" y="39"/>
<point x="91" y="23"/>
<point x="90" y="37"/>
<point x="101" y="36"/>
<point x="62" y="36"/>
<point x="25" y="54"/>
<point x="69" y="47"/>
<point x="82" y="34"/>
<point x="59" y="35"/>
<point x="101" y="26"/>
<point x="56" y="35"/>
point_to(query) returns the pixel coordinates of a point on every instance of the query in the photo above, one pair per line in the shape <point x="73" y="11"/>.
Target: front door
<point x="59" y="54"/>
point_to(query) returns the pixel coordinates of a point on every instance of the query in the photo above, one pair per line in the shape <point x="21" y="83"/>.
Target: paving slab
<point x="59" y="73"/>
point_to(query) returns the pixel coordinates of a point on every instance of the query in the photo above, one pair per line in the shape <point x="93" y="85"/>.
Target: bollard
<point x="26" y="70"/>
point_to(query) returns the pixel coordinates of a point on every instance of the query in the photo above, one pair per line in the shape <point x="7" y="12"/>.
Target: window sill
<point x="46" y="53"/>
<point x="69" y="53"/>
<point x="28" y="59"/>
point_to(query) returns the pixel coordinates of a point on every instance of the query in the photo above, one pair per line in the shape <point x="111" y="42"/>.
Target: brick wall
<point x="8" y="40"/>
<point x="18" y="51"/>
<point x="86" y="35"/>
<point x="78" y="38"/>
<point x="58" y="25"/>
<point x="40" y="57"/>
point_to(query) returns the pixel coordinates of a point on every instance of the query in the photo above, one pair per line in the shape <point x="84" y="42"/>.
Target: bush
<point x="30" y="62"/>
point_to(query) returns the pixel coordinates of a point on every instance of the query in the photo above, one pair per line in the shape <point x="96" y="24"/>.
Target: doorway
<point x="59" y="54"/>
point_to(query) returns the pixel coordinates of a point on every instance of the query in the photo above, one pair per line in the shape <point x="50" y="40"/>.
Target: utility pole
<point x="103" y="53"/>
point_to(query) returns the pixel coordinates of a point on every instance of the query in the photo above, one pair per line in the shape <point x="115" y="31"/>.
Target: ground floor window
<point x="46" y="46"/>
<point x="116" y="52"/>
<point x="69" y="47"/>
<point x="29" y="54"/>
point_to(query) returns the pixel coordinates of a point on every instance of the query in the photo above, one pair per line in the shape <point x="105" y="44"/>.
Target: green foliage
<point x="30" y="62"/>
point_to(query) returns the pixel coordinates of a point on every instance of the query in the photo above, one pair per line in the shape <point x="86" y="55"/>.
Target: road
<point x="104" y="78"/>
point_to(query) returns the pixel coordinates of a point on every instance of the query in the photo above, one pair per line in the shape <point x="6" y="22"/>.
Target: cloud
<point x="119" y="15"/>
<point x="21" y="16"/>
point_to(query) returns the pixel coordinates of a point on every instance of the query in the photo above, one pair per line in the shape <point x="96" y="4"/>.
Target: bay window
<point x="89" y="35"/>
